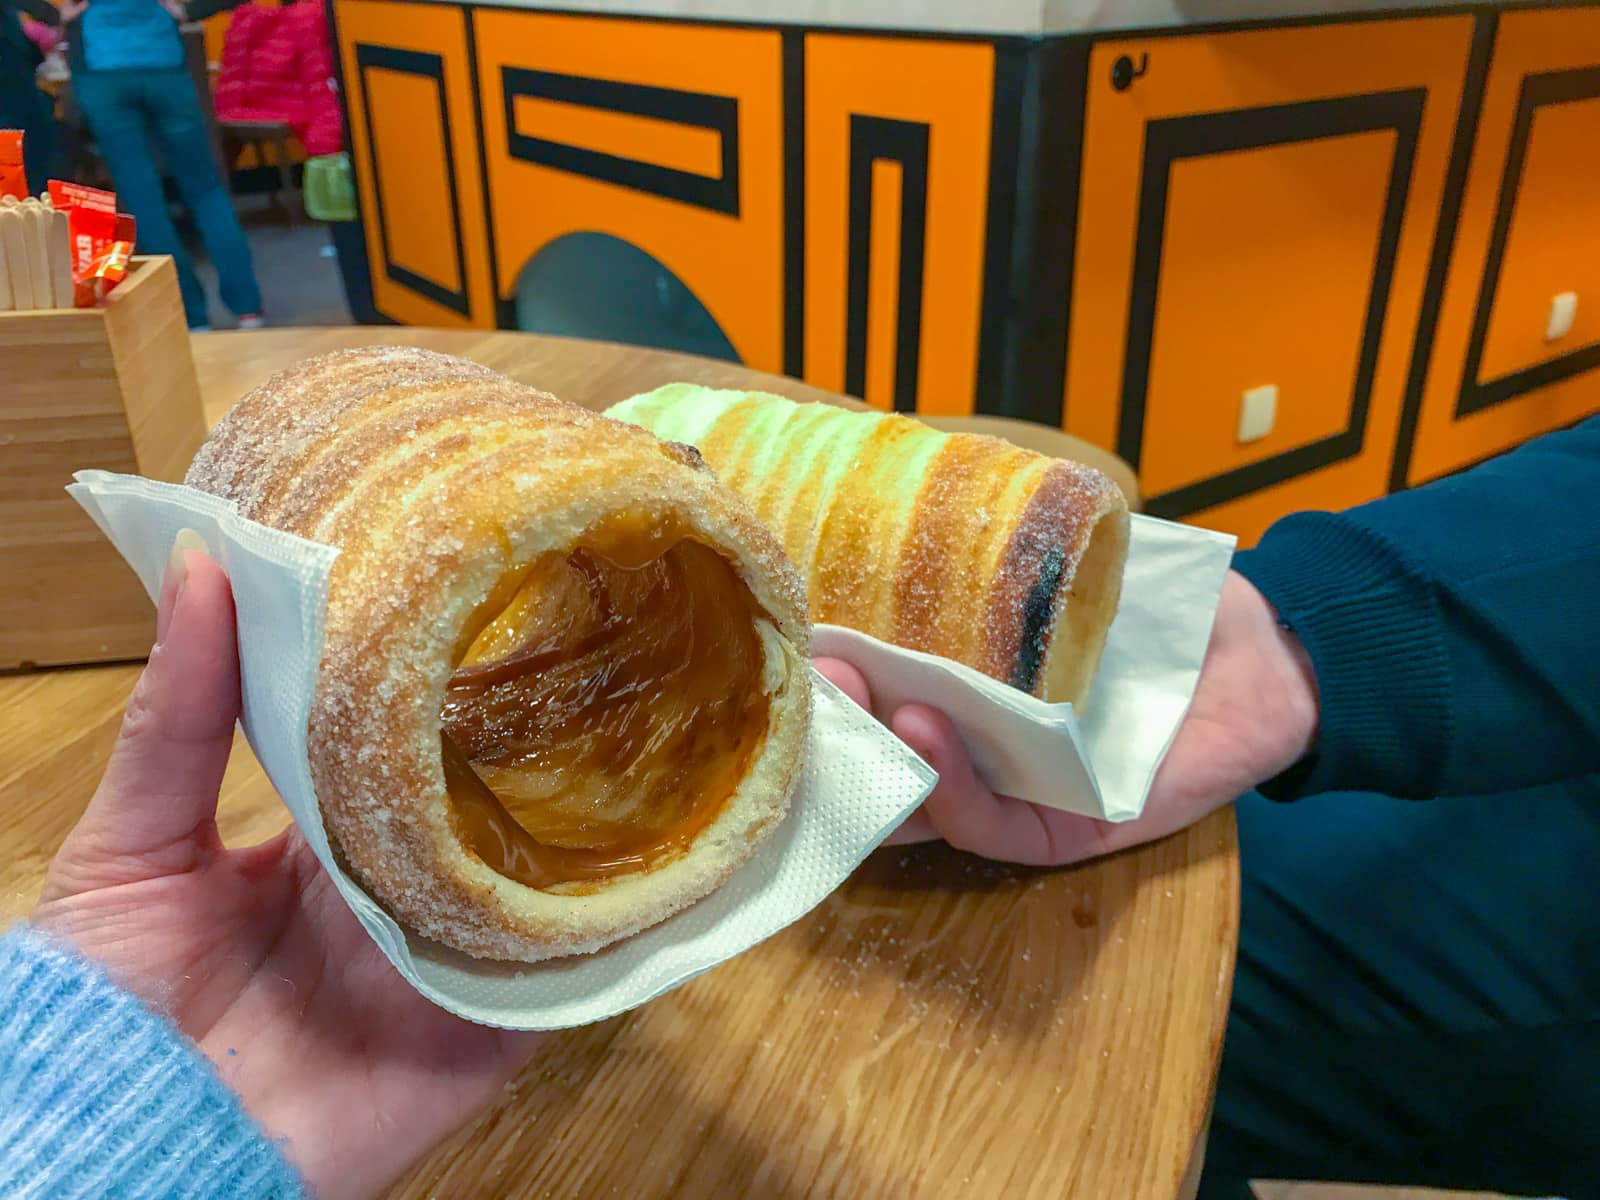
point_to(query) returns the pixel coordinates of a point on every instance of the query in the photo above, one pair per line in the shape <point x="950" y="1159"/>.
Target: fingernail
<point x="177" y="574"/>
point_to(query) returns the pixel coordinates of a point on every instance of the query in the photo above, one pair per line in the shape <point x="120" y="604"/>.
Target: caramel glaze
<point x="600" y="722"/>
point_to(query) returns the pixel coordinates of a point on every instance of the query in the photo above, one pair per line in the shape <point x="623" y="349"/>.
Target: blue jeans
<point x="1417" y="998"/>
<point x="134" y="115"/>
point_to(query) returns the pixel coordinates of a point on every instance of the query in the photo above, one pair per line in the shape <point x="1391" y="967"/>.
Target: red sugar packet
<point x="13" y="179"/>
<point x="102" y="239"/>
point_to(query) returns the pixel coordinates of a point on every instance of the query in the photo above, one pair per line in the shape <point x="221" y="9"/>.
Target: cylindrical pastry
<point x="956" y="544"/>
<point x="563" y="689"/>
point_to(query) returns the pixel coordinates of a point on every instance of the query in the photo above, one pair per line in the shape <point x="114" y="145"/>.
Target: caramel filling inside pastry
<point x="607" y="710"/>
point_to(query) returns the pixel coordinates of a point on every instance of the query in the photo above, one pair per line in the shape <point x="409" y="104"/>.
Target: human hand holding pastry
<point x="562" y="691"/>
<point x="1002" y="559"/>
<point x="252" y="952"/>
<point x="1254" y="714"/>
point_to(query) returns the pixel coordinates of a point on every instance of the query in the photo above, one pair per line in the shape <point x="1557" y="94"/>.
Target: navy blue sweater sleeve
<point x="1454" y="629"/>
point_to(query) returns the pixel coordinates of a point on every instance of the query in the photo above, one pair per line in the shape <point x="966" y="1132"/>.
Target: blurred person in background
<point x="129" y="77"/>
<point x="22" y="105"/>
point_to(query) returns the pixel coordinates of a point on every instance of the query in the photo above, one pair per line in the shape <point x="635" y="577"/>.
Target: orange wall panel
<point x="1532" y="204"/>
<point x="1273" y="256"/>
<point x="1234" y="308"/>
<point x="926" y="105"/>
<point x="409" y="95"/>
<point x="415" y="212"/>
<point x="587" y="160"/>
<point x="1554" y="241"/>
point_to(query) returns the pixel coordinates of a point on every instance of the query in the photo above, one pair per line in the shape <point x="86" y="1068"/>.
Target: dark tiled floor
<point x="298" y="274"/>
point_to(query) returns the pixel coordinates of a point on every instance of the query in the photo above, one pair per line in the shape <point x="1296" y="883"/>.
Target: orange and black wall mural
<point x="1274" y="266"/>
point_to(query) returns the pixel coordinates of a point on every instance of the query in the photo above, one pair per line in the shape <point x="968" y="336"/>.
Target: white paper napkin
<point x="1100" y="762"/>
<point x="858" y="784"/>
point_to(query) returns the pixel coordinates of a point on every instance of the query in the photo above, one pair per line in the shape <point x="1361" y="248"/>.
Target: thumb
<point x="160" y="786"/>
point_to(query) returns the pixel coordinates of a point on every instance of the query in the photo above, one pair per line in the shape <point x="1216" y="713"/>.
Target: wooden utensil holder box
<point x="111" y="387"/>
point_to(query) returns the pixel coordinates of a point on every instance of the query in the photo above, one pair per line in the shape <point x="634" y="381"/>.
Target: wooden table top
<point x="940" y="1026"/>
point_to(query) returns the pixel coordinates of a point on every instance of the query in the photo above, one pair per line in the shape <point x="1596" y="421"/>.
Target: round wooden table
<point x="941" y="1026"/>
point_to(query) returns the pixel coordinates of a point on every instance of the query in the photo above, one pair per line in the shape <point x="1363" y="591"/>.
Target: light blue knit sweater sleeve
<point x="101" y="1097"/>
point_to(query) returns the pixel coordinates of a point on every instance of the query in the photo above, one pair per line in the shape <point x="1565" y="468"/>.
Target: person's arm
<point x="1444" y="640"/>
<point x="1454" y="630"/>
<point x="104" y="1097"/>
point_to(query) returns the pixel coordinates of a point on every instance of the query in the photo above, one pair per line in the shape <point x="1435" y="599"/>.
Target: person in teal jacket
<point x="1417" y="996"/>
<point x="129" y="78"/>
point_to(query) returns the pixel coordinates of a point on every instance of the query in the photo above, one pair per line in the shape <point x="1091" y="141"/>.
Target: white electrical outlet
<point x="1563" y="309"/>
<point x="1258" y="412"/>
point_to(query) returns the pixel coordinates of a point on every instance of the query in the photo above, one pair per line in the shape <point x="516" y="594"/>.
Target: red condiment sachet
<point x="102" y="239"/>
<point x="13" y="179"/>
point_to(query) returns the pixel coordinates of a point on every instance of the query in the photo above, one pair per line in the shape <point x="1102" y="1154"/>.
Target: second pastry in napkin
<point x="1063" y="638"/>
<point x="857" y="785"/>
<point x="1098" y="762"/>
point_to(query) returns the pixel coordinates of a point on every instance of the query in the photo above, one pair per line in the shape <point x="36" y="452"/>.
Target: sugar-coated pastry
<point x="563" y="690"/>
<point x="956" y="544"/>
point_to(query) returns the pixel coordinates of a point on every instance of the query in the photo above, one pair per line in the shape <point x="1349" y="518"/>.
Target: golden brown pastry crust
<point x="956" y="544"/>
<point x="435" y="478"/>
